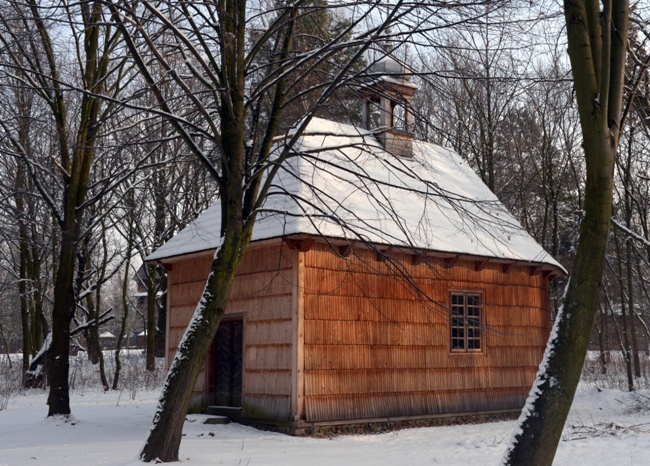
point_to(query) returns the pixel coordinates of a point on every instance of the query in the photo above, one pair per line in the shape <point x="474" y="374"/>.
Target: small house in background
<point x="138" y="337"/>
<point x="378" y="287"/>
<point x="107" y="340"/>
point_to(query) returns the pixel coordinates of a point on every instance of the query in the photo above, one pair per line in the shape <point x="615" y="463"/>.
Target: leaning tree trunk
<point x="546" y="410"/>
<point x="164" y="438"/>
<point x="597" y="48"/>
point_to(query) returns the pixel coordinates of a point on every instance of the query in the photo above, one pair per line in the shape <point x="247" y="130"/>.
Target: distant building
<point x="138" y="337"/>
<point x="107" y="340"/>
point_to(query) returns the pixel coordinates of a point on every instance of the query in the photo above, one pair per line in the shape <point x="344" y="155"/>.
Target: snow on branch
<point x="103" y="318"/>
<point x="630" y="233"/>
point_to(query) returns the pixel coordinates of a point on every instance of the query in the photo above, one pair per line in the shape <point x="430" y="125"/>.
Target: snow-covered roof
<point x="342" y="184"/>
<point x="106" y="335"/>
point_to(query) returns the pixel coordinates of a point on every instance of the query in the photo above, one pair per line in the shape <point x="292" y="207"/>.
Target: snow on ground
<point x="605" y="428"/>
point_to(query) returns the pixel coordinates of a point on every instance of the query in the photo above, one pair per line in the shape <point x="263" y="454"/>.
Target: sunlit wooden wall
<point x="377" y="336"/>
<point x="263" y="296"/>
<point x="333" y="338"/>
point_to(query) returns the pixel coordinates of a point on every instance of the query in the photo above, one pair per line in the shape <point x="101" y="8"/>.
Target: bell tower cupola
<point x="387" y="107"/>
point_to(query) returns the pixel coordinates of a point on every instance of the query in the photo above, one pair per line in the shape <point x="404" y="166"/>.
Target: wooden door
<point x="228" y="360"/>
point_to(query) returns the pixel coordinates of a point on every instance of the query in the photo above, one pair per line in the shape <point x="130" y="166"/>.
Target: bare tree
<point x="26" y="225"/>
<point x="597" y="40"/>
<point x="35" y="40"/>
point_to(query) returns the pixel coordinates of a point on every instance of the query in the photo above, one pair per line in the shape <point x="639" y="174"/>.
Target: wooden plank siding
<point x="378" y="346"/>
<point x="263" y="296"/>
<point x="330" y="338"/>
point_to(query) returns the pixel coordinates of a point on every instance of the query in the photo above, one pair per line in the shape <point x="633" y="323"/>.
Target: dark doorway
<point x="228" y="357"/>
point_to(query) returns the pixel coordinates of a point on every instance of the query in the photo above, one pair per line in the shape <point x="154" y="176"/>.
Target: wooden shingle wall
<point x="185" y="285"/>
<point x="263" y="297"/>
<point x="376" y="345"/>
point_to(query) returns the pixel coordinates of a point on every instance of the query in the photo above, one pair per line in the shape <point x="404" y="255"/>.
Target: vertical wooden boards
<point x="185" y="285"/>
<point x="263" y="298"/>
<point x="330" y="336"/>
<point x="263" y="294"/>
<point x="376" y="336"/>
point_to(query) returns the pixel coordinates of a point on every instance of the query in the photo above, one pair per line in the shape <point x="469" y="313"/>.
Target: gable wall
<point x="374" y="346"/>
<point x="263" y="296"/>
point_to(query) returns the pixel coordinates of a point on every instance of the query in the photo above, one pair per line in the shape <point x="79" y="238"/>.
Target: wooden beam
<point x="382" y="254"/>
<point x="345" y="251"/>
<point x="505" y="268"/>
<point x="302" y="245"/>
<point x="449" y="262"/>
<point x="535" y="269"/>
<point x="417" y="259"/>
<point x="549" y="275"/>
<point x="298" y="340"/>
<point x="479" y="265"/>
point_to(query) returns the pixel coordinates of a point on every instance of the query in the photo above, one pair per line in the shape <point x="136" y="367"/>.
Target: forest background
<point x="106" y="148"/>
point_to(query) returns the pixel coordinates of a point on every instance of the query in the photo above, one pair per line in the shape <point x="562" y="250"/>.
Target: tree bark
<point x="156" y="283"/>
<point x="58" y="362"/>
<point x="164" y="438"/>
<point x="130" y="204"/>
<point x="77" y="164"/>
<point x="625" y="320"/>
<point x="152" y="291"/>
<point x="161" y="333"/>
<point x="28" y="341"/>
<point x="629" y="267"/>
<point x="597" y="49"/>
<point x="603" y="355"/>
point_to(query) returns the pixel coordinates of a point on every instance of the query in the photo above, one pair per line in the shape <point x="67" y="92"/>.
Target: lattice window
<point x="465" y="322"/>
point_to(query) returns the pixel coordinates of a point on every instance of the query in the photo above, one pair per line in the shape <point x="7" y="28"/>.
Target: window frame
<point x="470" y="333"/>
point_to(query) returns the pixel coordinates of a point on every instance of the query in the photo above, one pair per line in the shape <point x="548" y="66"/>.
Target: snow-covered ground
<point x="609" y="427"/>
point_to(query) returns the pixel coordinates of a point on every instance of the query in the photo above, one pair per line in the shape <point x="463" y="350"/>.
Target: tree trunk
<point x="603" y="356"/>
<point x="548" y="405"/>
<point x="161" y="334"/>
<point x="598" y="63"/>
<point x="628" y="187"/>
<point x="58" y="362"/>
<point x="627" y="350"/>
<point x="24" y="308"/>
<point x="125" y="316"/>
<point x="75" y="179"/>
<point x="165" y="436"/>
<point x="96" y="304"/>
<point x="630" y="307"/>
<point x="130" y="207"/>
<point x="152" y="291"/>
<point x="95" y="344"/>
<point x="157" y="283"/>
<point x="6" y="345"/>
